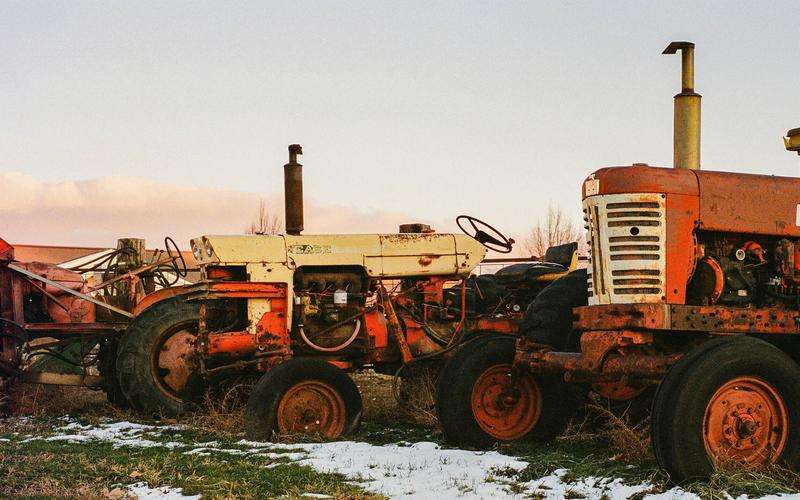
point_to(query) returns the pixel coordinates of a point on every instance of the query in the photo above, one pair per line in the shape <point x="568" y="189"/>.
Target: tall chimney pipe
<point x="293" y="191"/>
<point x="686" y="133"/>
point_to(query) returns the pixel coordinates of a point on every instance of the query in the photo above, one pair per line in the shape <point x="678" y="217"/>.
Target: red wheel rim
<point x="502" y="411"/>
<point x="746" y="421"/>
<point x="312" y="407"/>
<point x="174" y="361"/>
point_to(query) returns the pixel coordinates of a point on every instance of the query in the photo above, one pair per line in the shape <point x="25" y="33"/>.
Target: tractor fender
<point x="159" y="296"/>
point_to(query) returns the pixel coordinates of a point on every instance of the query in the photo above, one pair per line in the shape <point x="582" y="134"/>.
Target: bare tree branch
<point x="266" y="223"/>
<point x="557" y="229"/>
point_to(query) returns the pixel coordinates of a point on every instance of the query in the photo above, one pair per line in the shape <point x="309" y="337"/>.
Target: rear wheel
<point x="158" y="370"/>
<point x="303" y="396"/>
<point x="737" y="402"/>
<point x="481" y="402"/>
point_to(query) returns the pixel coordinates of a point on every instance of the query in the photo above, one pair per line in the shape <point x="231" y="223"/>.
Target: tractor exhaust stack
<point x="293" y="191"/>
<point x="686" y="135"/>
<point x="792" y="140"/>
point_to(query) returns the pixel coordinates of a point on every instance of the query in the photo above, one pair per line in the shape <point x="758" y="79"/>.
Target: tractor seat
<point x="557" y="259"/>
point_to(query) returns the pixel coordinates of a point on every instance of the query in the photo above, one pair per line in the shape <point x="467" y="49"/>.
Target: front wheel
<point x="303" y="396"/>
<point x="738" y="402"/>
<point x="480" y="402"/>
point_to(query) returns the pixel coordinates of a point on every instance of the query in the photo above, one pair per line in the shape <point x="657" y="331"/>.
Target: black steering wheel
<point x="180" y="269"/>
<point x="485" y="234"/>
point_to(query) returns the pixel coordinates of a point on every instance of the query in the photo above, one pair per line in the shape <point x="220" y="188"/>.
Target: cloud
<point x="98" y="211"/>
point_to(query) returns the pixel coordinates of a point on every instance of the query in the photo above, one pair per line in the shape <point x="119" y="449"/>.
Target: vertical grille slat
<point x="626" y="235"/>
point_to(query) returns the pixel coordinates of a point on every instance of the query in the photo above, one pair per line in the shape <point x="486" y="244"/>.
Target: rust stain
<point x="426" y="260"/>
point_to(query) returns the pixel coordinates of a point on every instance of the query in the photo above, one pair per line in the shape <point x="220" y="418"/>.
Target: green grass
<point x="58" y="468"/>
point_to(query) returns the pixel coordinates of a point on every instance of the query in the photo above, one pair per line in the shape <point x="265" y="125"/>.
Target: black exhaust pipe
<point x="293" y="191"/>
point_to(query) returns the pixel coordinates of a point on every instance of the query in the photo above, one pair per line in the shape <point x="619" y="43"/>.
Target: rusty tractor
<point x="693" y="288"/>
<point x="307" y="309"/>
<point x="61" y="325"/>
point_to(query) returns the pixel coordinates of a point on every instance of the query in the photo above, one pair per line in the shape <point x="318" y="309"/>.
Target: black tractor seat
<point x="557" y="259"/>
<point x="517" y="273"/>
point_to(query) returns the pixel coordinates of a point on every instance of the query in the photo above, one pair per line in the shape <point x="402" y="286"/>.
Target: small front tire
<point x="477" y="404"/>
<point x="303" y="396"/>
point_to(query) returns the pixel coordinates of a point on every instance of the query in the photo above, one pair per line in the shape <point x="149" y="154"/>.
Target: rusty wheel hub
<point x="502" y="411"/>
<point x="312" y="407"/>
<point x="746" y="420"/>
<point x="176" y="361"/>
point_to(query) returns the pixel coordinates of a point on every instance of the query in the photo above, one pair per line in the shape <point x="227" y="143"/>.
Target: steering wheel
<point x="180" y="269"/>
<point x="485" y="234"/>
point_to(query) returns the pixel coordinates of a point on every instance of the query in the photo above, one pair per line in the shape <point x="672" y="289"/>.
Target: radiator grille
<point x="626" y="235"/>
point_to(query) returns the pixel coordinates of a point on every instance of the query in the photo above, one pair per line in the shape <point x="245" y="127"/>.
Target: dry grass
<point x="416" y="394"/>
<point x="627" y="441"/>
<point x="45" y="400"/>
<point x="733" y="479"/>
<point x="630" y="442"/>
<point x="223" y="407"/>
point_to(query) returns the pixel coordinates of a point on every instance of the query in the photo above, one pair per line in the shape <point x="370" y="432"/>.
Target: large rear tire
<point x="303" y="396"/>
<point x="157" y="368"/>
<point x="735" y="400"/>
<point x="477" y="404"/>
<point x="548" y="319"/>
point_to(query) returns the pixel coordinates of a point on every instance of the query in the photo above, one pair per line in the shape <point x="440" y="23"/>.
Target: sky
<point x="156" y="118"/>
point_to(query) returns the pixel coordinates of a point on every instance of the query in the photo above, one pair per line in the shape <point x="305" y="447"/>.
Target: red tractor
<point x="61" y="325"/>
<point x="693" y="288"/>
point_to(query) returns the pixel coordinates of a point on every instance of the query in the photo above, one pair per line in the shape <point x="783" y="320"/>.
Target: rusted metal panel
<point x="57" y="329"/>
<point x="377" y="328"/>
<point x="499" y="325"/>
<point x="622" y="317"/>
<point x="158" y="296"/>
<point x="747" y="203"/>
<point x="235" y="344"/>
<point x="8" y="341"/>
<point x="682" y="215"/>
<point x="605" y="355"/>
<point x="641" y="179"/>
<point x="271" y="330"/>
<point x="719" y="319"/>
<point x="6" y="251"/>
<point x="424" y="253"/>
<point x="237" y="289"/>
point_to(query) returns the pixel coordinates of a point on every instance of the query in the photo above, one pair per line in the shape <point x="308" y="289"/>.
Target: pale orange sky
<point x="172" y="118"/>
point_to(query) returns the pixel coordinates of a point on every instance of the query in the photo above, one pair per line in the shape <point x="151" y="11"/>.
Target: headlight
<point x="196" y="251"/>
<point x="209" y="251"/>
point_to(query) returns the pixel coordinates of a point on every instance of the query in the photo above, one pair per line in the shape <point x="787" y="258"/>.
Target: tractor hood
<point x="381" y="255"/>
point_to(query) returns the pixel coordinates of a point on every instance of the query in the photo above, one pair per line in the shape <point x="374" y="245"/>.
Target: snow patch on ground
<point x="118" y="433"/>
<point x="422" y="470"/>
<point x="404" y="470"/>
<point x="554" y="486"/>
<point x="143" y="492"/>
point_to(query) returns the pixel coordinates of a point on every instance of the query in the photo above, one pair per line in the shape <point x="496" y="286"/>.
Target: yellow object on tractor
<point x="307" y="309"/>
